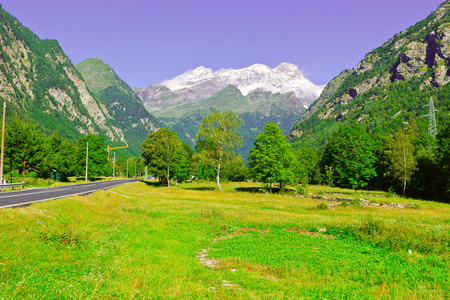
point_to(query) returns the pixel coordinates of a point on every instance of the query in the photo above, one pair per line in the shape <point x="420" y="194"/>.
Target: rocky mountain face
<point x="389" y="87"/>
<point x="258" y="94"/>
<point x="126" y="108"/>
<point x="38" y="82"/>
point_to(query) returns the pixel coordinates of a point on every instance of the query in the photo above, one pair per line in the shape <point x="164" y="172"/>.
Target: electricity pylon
<point x="432" y="129"/>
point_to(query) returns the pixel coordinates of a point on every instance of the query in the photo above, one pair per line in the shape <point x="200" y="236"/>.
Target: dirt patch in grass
<point x="306" y="231"/>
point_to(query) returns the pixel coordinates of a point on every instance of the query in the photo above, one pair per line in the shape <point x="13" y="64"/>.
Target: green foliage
<point x="272" y="160"/>
<point x="59" y="156"/>
<point x="97" y="156"/>
<point x="307" y="164"/>
<point x="352" y="154"/>
<point x="23" y="142"/>
<point x="166" y="156"/>
<point x="219" y="135"/>
<point x="399" y="158"/>
<point x="234" y="169"/>
<point x="444" y="163"/>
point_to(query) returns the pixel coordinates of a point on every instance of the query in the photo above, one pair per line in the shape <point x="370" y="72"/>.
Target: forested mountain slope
<point x="126" y="108"/>
<point x="39" y="83"/>
<point x="389" y="87"/>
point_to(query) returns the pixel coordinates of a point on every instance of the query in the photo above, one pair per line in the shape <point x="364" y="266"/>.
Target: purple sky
<point x="148" y="41"/>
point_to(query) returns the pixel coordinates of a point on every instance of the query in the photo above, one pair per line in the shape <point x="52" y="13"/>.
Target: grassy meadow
<point x="143" y="241"/>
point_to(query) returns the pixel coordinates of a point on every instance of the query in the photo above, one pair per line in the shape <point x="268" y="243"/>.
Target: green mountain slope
<point x="39" y="83"/>
<point x="255" y="109"/>
<point x="389" y="86"/>
<point x="126" y="108"/>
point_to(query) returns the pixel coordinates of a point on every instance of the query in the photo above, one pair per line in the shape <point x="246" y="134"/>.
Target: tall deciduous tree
<point x="97" y="156"/>
<point x="352" y="154"/>
<point x="271" y="160"/>
<point x="220" y="134"/>
<point x="59" y="155"/>
<point x="165" y="155"/>
<point x="399" y="157"/>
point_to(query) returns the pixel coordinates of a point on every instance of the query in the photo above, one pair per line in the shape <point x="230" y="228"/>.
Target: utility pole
<point x="87" y="153"/>
<point x="127" y="167"/>
<point x="114" y="166"/>
<point x="135" y="168"/>
<point x="3" y="144"/>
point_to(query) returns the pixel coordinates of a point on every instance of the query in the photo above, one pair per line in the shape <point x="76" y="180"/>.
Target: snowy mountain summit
<point x="283" y="79"/>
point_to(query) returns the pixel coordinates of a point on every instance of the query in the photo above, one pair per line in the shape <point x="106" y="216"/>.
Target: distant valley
<point x="258" y="94"/>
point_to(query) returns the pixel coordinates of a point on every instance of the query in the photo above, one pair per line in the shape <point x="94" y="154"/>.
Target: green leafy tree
<point x="165" y="155"/>
<point x="399" y="157"/>
<point x="234" y="169"/>
<point x="23" y="143"/>
<point x="220" y="134"/>
<point x="122" y="164"/>
<point x="201" y="169"/>
<point x="307" y="164"/>
<point x="443" y="140"/>
<point x="271" y="160"/>
<point x="132" y="161"/>
<point x="140" y="166"/>
<point x="352" y="154"/>
<point x="59" y="155"/>
<point x="97" y="156"/>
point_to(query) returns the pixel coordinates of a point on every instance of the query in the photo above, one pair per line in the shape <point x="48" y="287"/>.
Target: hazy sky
<point x="148" y="41"/>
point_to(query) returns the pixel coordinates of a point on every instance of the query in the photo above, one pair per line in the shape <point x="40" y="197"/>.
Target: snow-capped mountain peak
<point x="258" y="77"/>
<point x="190" y="78"/>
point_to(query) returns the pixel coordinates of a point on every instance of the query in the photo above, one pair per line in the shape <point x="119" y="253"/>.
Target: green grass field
<point x="193" y="242"/>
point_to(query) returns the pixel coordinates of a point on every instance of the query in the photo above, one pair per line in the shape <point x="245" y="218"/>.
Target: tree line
<point x="28" y="149"/>
<point x="404" y="162"/>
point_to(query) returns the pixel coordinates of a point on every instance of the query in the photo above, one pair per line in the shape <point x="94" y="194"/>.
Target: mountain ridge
<point x="41" y="84"/>
<point x="202" y="83"/>
<point x="390" y="86"/>
<point x="127" y="109"/>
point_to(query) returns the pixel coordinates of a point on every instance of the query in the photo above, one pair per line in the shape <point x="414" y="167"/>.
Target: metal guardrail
<point x="12" y="185"/>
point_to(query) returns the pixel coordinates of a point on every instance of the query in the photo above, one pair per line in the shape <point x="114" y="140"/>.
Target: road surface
<point x="24" y="197"/>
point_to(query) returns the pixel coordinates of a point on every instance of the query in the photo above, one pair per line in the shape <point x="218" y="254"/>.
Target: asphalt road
<point x="24" y="197"/>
